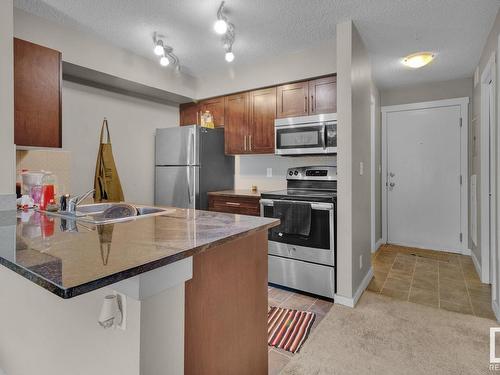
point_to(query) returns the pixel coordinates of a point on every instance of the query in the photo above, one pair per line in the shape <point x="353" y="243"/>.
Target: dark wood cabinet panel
<point x="216" y="108"/>
<point x="262" y="112"/>
<point x="189" y="114"/>
<point x="323" y="95"/>
<point x="37" y="95"/>
<point x="226" y="309"/>
<point x="234" y="205"/>
<point x="292" y="100"/>
<point x="236" y="124"/>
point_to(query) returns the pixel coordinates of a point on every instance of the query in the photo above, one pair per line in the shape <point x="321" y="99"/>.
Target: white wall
<point x="83" y="48"/>
<point x="315" y="61"/>
<point x="354" y="85"/>
<point x="490" y="48"/>
<point x="457" y="88"/>
<point x="132" y="124"/>
<point x="252" y="169"/>
<point x="44" y="334"/>
<point x="7" y="153"/>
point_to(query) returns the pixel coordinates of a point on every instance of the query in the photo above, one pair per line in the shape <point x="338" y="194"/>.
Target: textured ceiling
<point x="455" y="29"/>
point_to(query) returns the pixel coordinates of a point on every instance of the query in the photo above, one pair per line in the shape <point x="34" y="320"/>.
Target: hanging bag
<point x="106" y="182"/>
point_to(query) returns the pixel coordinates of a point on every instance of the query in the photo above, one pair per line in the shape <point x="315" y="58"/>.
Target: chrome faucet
<point x="69" y="205"/>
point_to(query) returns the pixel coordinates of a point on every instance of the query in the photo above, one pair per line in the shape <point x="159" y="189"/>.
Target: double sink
<point x="97" y="213"/>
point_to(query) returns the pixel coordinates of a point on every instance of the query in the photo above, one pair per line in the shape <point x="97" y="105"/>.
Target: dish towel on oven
<point x="295" y="217"/>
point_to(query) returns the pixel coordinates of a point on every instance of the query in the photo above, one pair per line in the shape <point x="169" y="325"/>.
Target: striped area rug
<point x="288" y="329"/>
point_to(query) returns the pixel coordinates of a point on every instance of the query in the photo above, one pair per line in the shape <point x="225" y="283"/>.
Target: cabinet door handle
<point x="244" y="142"/>
<point x="305" y="104"/>
<point x="312" y="103"/>
<point x="233" y="204"/>
<point x="250" y="142"/>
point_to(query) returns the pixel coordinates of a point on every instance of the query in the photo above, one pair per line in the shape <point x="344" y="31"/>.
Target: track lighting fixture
<point x="226" y="29"/>
<point x="165" y="52"/>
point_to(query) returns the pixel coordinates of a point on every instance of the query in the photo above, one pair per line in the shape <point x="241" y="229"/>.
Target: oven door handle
<point x="314" y="205"/>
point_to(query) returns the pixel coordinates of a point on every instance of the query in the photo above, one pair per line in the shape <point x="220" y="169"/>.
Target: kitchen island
<point x="195" y="285"/>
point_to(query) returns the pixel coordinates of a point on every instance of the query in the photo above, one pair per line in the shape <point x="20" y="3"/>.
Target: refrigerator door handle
<point x="190" y="148"/>
<point x="188" y="177"/>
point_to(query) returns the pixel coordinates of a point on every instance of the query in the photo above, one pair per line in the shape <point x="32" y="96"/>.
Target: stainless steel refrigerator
<point x="190" y="162"/>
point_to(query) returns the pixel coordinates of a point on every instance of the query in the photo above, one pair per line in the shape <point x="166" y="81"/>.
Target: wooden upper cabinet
<point x="262" y="112"/>
<point x="216" y="108"/>
<point x="189" y="114"/>
<point x="323" y="95"/>
<point x="292" y="100"/>
<point x="236" y="124"/>
<point x="37" y="95"/>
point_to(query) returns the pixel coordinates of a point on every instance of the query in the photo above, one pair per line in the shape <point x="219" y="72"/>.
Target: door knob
<point x="392" y="184"/>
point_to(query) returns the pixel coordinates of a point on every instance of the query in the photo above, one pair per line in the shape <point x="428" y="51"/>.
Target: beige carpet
<point x="387" y="336"/>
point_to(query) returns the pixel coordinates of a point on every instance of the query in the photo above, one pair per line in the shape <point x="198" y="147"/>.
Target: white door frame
<point x="464" y="136"/>
<point x="372" y="170"/>
<point x="487" y="169"/>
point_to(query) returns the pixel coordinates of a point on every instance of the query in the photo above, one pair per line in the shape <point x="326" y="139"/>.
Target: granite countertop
<point x="237" y="193"/>
<point x="70" y="263"/>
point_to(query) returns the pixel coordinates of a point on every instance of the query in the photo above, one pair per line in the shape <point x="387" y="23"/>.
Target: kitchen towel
<point x="106" y="182"/>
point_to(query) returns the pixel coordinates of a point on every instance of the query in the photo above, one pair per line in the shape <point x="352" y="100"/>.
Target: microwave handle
<point x="325" y="137"/>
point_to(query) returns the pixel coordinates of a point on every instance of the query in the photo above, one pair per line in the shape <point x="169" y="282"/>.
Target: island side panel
<point x="226" y="309"/>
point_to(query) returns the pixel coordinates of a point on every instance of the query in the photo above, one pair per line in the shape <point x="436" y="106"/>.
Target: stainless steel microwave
<point x="306" y="135"/>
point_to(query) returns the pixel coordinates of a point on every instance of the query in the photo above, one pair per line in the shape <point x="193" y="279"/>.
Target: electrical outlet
<point x="360" y="261"/>
<point x="361" y="168"/>
<point x="269" y="172"/>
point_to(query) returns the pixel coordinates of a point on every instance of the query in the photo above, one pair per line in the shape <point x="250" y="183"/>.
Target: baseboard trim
<point x="477" y="265"/>
<point x="466" y="252"/>
<point x="496" y="310"/>
<point x="379" y="243"/>
<point x="351" y="302"/>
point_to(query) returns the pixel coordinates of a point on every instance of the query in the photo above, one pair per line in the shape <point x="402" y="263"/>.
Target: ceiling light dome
<point x="418" y="60"/>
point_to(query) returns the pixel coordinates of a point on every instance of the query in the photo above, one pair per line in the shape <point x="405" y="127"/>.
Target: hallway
<point x="438" y="279"/>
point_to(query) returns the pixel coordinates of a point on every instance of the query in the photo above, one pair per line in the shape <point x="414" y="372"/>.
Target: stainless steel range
<point x="302" y="249"/>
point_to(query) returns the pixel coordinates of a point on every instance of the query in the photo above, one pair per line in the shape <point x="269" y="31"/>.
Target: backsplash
<point x="57" y="162"/>
<point x="252" y="169"/>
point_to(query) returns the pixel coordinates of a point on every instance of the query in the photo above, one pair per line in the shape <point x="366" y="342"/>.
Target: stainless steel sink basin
<point x="94" y="213"/>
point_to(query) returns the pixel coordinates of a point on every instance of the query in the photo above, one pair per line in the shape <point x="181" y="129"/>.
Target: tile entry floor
<point x="439" y="279"/>
<point x="278" y="297"/>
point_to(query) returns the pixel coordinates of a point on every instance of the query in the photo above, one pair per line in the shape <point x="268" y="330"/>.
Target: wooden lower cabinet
<point x="226" y="309"/>
<point x="234" y="204"/>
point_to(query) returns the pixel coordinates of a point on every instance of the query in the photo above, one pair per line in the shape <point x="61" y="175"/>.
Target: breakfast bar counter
<point x="195" y="287"/>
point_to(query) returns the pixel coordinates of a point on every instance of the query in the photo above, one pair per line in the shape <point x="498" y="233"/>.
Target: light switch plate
<point x="269" y="172"/>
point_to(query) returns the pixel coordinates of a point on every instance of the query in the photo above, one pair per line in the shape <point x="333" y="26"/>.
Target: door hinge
<point x="461" y="236"/>
<point x="460" y="122"/>
<point x="461" y="180"/>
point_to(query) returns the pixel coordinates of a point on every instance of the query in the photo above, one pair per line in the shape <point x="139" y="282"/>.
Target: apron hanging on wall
<point x="106" y="182"/>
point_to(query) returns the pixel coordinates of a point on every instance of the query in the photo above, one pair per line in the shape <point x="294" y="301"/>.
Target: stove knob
<point x="290" y="173"/>
<point x="296" y="173"/>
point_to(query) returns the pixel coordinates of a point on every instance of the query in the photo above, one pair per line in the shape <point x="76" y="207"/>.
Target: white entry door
<point x="424" y="183"/>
